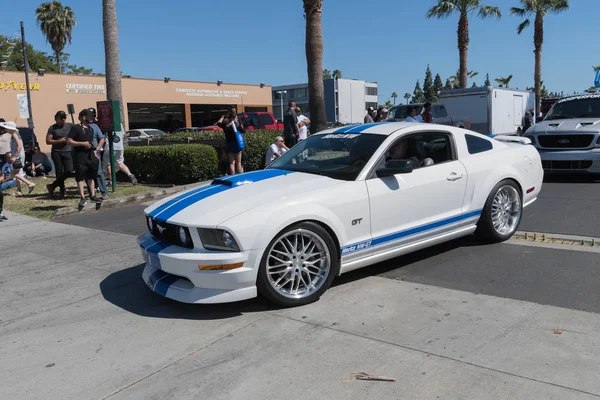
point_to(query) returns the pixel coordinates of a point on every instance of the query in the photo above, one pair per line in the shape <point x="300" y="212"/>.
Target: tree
<point x="394" y="96"/>
<point x="327" y="74"/>
<point x="314" y="61"/>
<point x="418" y="95"/>
<point x="114" y="91"/>
<point x="474" y="85"/>
<point x="438" y="86"/>
<point x="539" y="8"/>
<point x="487" y="80"/>
<point x="428" y="90"/>
<point x="455" y="79"/>
<point x="448" y="85"/>
<point x="388" y="104"/>
<point x="56" y="23"/>
<point x="445" y="8"/>
<point x="14" y="60"/>
<point x="544" y="92"/>
<point x="407" y="97"/>
<point x="504" y="81"/>
<point x="337" y="74"/>
<point x="596" y="68"/>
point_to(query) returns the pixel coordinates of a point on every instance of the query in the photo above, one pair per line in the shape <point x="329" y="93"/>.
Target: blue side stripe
<point x="409" y="232"/>
<point x="174" y="206"/>
<point x="155" y="277"/>
<point x="362" y="128"/>
<point x="157" y="248"/>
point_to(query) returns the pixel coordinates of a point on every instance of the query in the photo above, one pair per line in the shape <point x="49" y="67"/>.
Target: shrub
<point x="173" y="160"/>
<point x="177" y="164"/>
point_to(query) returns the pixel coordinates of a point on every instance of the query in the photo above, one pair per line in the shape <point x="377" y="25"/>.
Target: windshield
<point x="154" y="132"/>
<point x="338" y="156"/>
<point x="585" y="106"/>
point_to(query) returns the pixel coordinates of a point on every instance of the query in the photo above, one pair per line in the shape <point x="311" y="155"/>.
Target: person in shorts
<point x="119" y="152"/>
<point x="81" y="139"/>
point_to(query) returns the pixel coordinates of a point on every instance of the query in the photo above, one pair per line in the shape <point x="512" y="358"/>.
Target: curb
<point x="126" y="201"/>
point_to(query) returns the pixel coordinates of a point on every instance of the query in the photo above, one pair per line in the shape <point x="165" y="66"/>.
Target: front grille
<point x="565" y="141"/>
<point x="166" y="233"/>
<point x="569" y="164"/>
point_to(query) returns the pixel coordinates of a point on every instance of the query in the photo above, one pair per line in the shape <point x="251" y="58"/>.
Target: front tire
<point x="298" y="265"/>
<point x="502" y="213"/>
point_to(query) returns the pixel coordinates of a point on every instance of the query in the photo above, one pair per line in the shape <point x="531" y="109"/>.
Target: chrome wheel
<point x="298" y="264"/>
<point x="506" y="210"/>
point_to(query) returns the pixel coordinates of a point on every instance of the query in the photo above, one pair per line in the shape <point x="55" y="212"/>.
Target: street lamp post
<point x="26" y="64"/>
<point x="280" y="93"/>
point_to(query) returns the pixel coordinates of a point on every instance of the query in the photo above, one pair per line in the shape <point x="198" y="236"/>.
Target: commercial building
<point x="148" y="103"/>
<point x="346" y="100"/>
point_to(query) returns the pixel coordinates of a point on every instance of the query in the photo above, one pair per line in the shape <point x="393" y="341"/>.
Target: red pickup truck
<point x="253" y="120"/>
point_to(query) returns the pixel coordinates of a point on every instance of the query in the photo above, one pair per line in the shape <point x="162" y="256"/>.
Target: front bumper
<point x="571" y="160"/>
<point x="172" y="271"/>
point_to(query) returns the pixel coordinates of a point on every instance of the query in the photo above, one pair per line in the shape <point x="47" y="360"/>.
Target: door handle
<point x="454" y="177"/>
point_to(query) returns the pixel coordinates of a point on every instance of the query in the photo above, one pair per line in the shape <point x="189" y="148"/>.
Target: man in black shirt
<point x="81" y="138"/>
<point x="57" y="136"/>
<point x="290" y="126"/>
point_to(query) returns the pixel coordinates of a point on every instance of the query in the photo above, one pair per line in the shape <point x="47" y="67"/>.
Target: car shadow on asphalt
<point x="127" y="290"/>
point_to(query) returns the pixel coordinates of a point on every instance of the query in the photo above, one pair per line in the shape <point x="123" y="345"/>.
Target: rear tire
<point x="298" y="265"/>
<point x="502" y="213"/>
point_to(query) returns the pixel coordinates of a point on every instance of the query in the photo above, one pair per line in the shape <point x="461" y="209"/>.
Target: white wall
<point x="351" y="95"/>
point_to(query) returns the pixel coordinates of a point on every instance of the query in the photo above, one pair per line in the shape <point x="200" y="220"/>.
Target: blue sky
<point x="388" y="41"/>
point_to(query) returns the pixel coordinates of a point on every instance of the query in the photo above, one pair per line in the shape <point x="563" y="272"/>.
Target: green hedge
<point x="177" y="164"/>
<point x="180" y="163"/>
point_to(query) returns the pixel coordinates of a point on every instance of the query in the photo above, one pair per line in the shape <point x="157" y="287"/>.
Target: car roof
<point x="379" y="128"/>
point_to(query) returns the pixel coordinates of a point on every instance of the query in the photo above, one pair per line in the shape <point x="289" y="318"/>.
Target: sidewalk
<point x="80" y="323"/>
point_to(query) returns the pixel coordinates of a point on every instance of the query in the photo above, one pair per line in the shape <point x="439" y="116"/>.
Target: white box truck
<point x="493" y="111"/>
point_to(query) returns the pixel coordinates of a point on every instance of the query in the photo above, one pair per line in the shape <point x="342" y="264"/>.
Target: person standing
<point x="302" y="122"/>
<point x="412" y="113"/>
<point x="290" y="125"/>
<point x="61" y="152"/>
<point x="426" y="115"/>
<point x="368" y="118"/>
<point x="99" y="141"/>
<point x="119" y="151"/>
<point x="81" y="138"/>
<point x="418" y="117"/>
<point x="232" y="147"/>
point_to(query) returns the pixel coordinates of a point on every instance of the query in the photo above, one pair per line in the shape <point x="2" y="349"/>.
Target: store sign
<point x="212" y="92"/>
<point x="82" y="88"/>
<point x="12" y="85"/>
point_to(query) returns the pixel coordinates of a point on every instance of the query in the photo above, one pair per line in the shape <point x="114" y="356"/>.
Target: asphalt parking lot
<point x="462" y="320"/>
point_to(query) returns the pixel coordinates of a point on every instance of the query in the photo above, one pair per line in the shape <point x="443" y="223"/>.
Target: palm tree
<point x="314" y="61"/>
<point x="504" y="81"/>
<point x="394" y="96"/>
<point x="337" y="74"/>
<point x="114" y="90"/>
<point x="445" y="8"/>
<point x="455" y="79"/>
<point x="540" y="8"/>
<point x="596" y="68"/>
<point x="407" y="96"/>
<point x="327" y="74"/>
<point x="56" y="23"/>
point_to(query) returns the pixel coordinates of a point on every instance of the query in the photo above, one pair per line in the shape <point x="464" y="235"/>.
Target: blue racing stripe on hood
<point x="180" y="203"/>
<point x="362" y="128"/>
<point x="345" y="129"/>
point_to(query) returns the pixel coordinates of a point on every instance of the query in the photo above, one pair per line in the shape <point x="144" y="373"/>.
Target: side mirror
<point x="393" y="167"/>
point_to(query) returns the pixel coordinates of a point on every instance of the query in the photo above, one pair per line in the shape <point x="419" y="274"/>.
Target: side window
<point x="265" y="119"/>
<point x="134" y="133"/>
<point x="440" y="112"/>
<point x="477" y="144"/>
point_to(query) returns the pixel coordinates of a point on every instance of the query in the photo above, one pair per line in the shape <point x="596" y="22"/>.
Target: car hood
<point x="566" y="126"/>
<point x="226" y="197"/>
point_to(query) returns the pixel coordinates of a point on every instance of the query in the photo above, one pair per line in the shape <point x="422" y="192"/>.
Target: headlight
<point x="218" y="239"/>
<point x="183" y="234"/>
<point x="149" y="224"/>
<point x="532" y="138"/>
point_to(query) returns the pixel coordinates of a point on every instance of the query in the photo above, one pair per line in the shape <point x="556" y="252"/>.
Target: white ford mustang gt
<point x="340" y="200"/>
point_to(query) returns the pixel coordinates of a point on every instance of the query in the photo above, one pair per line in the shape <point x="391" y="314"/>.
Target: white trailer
<point x="493" y="111"/>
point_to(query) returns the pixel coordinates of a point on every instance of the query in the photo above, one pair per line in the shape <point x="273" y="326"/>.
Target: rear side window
<point x="265" y="119"/>
<point x="440" y="112"/>
<point x="477" y="144"/>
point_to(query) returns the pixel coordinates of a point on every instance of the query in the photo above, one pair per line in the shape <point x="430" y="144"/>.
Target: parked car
<point x="438" y="111"/>
<point x="245" y="234"/>
<point x="191" y="129"/>
<point x="252" y="120"/>
<point x="492" y="111"/>
<point x="135" y="135"/>
<point x="568" y="138"/>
